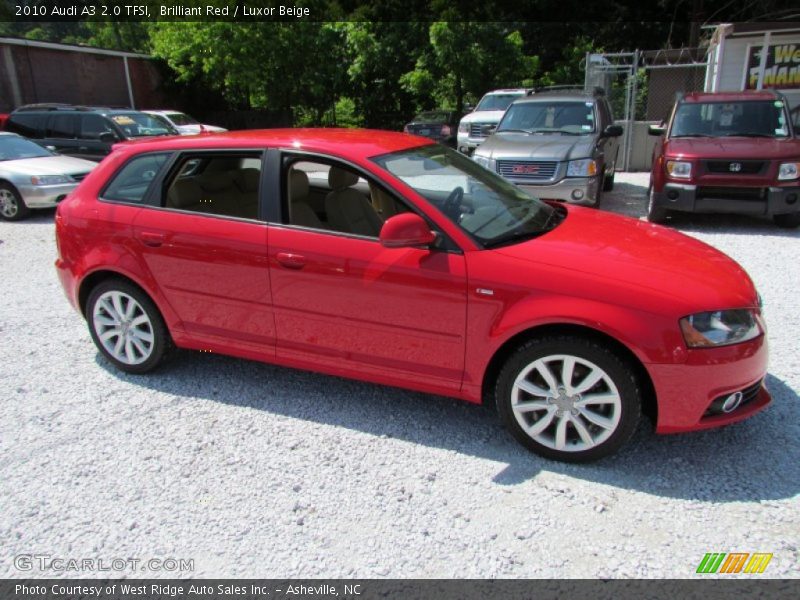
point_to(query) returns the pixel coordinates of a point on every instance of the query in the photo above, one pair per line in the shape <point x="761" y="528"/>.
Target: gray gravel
<point x="257" y="471"/>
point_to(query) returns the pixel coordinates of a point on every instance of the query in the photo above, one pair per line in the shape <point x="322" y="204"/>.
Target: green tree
<point x="465" y="59"/>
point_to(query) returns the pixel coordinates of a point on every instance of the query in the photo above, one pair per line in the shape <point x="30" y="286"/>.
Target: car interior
<point x="226" y="186"/>
<point x="322" y="196"/>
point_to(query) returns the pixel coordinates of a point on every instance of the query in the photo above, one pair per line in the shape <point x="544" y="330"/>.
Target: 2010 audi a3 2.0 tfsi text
<point x="388" y="258"/>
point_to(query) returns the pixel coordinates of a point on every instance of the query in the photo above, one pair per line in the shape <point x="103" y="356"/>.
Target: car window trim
<point x="447" y="244"/>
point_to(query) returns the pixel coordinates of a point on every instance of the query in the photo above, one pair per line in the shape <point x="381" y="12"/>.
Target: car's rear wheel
<point x="126" y="326"/>
<point x="12" y="207"/>
<point x="568" y="398"/>
<point x="790" y="220"/>
<point x="655" y="213"/>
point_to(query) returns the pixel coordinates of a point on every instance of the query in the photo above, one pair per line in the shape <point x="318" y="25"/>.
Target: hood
<point x="48" y="165"/>
<point x="733" y="147"/>
<point x="544" y="146"/>
<point x="654" y="268"/>
<point x="483" y="116"/>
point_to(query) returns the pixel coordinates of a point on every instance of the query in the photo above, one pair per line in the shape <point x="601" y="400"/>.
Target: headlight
<point x="585" y="167"/>
<point x="463" y="127"/>
<point x="49" y="179"/>
<point x="679" y="169"/>
<point x="481" y="160"/>
<point x="788" y="171"/>
<point x="719" y="328"/>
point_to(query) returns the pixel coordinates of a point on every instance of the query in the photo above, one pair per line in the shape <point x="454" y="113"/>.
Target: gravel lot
<point x="257" y="471"/>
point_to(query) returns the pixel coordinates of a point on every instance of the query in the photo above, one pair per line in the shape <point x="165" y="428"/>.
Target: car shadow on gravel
<point x="751" y="461"/>
<point x="630" y="199"/>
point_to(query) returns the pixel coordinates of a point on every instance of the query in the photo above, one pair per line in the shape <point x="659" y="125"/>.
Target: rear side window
<point x="131" y="183"/>
<point x="222" y="185"/>
<point x="62" y="127"/>
<point x="93" y="125"/>
<point x="27" y="125"/>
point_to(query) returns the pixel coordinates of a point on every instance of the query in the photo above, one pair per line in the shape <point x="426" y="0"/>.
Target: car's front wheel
<point x="126" y="326"/>
<point x="655" y="213"/>
<point x="568" y="398"/>
<point x="12" y="206"/>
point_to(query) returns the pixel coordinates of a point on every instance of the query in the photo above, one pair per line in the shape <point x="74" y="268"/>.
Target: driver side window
<point x="334" y="197"/>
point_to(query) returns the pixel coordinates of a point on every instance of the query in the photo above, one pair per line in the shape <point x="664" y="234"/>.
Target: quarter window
<point x="216" y="184"/>
<point x="134" y="179"/>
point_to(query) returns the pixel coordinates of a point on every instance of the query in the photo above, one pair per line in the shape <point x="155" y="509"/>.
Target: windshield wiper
<point x="528" y="131"/>
<point x="514" y="236"/>
<point x="748" y="134"/>
<point x="691" y="135"/>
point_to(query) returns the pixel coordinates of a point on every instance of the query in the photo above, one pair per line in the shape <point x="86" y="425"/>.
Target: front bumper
<point x="686" y="391"/>
<point x="575" y="190"/>
<point x="766" y="201"/>
<point x="45" y="196"/>
<point x="466" y="144"/>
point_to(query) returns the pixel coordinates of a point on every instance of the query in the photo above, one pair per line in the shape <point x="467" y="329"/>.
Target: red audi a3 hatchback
<point x="385" y="257"/>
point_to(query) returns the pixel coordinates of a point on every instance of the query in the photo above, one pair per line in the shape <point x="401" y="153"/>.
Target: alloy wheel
<point x="123" y="327"/>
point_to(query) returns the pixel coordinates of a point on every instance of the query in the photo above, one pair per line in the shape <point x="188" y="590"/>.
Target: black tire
<point x="12" y="207"/>
<point x="587" y="354"/>
<point x="655" y="213"/>
<point x="789" y="221"/>
<point x="608" y="182"/>
<point x="96" y="316"/>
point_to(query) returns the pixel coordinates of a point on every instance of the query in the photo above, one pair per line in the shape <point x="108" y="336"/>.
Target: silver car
<point x="558" y="145"/>
<point x="33" y="177"/>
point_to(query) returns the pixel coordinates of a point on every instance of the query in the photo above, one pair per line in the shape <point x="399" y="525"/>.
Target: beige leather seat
<point x="349" y="210"/>
<point x="383" y="203"/>
<point x="184" y="194"/>
<point x="300" y="213"/>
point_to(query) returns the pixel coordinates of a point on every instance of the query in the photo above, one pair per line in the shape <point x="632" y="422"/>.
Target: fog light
<point x="577" y="194"/>
<point x="732" y="402"/>
<point x="791" y="198"/>
<point x="672" y="195"/>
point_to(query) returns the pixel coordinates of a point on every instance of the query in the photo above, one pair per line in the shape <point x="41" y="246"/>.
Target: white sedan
<point x="185" y="124"/>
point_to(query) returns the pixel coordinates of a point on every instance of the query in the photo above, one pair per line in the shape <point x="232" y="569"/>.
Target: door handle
<point x="151" y="238"/>
<point x="291" y="260"/>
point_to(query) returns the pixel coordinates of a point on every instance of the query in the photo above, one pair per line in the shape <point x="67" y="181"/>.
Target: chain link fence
<point x="642" y="87"/>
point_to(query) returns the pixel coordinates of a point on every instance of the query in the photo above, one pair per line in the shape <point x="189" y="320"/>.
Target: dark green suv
<point x="83" y="131"/>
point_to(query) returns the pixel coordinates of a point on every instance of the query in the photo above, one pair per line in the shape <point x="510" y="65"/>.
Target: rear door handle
<point x="291" y="260"/>
<point x="151" y="238"/>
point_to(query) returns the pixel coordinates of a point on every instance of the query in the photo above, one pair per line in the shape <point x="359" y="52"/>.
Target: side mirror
<point x="107" y="137"/>
<point x="406" y="230"/>
<point x="656" y="130"/>
<point x="488" y="130"/>
<point x="613" y="131"/>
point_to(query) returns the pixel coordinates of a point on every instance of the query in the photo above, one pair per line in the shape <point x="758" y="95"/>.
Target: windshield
<point x="135" y="125"/>
<point x="15" y="148"/>
<point x="483" y="204"/>
<point x="496" y="101"/>
<point x="182" y="119"/>
<point x="558" y="117"/>
<point x="749" y="118"/>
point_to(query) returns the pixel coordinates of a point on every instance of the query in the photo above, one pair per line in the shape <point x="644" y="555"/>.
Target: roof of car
<point x="730" y="96"/>
<point x="356" y="143"/>
<point x="507" y="91"/>
<point x="163" y="112"/>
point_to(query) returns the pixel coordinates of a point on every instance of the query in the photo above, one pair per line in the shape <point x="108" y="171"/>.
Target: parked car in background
<point x="34" y="177"/>
<point x="84" y="131"/>
<point x="558" y="145"/>
<point x="727" y="152"/>
<point x="3" y="119"/>
<point x="389" y="258"/>
<point x="185" y="124"/>
<point x="473" y="128"/>
<point x="439" y="125"/>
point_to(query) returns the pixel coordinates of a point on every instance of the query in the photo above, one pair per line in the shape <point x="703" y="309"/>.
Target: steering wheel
<point x="452" y="206"/>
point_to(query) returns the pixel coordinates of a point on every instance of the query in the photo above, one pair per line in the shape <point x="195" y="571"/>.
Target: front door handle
<point x="291" y="260"/>
<point x="151" y="238"/>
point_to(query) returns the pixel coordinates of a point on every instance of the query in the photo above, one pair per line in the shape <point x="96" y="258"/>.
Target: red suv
<point x="389" y="258"/>
<point x="727" y="153"/>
